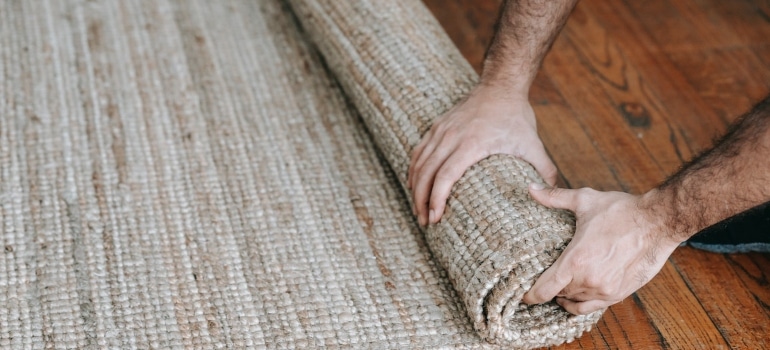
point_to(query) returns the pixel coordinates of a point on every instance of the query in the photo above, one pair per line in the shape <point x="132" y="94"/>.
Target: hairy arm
<point x="496" y="116"/>
<point x="723" y="181"/>
<point x="622" y="240"/>
<point x="525" y="32"/>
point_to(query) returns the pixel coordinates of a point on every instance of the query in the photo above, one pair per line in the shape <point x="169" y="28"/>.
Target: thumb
<point x="554" y="197"/>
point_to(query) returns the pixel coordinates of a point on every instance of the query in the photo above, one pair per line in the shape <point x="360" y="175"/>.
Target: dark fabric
<point x="748" y="231"/>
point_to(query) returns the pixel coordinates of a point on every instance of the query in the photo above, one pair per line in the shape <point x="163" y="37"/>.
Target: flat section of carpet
<point x="186" y="174"/>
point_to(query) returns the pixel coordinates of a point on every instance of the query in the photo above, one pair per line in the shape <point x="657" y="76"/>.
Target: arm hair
<point x="731" y="177"/>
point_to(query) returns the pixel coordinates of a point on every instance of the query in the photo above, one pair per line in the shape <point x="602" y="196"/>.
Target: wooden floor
<point x="630" y="90"/>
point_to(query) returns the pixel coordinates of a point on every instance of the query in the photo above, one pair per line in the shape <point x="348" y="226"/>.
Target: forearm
<point x="526" y="29"/>
<point x="723" y="181"/>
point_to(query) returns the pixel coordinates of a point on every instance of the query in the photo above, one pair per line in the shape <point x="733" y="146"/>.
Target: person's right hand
<point x="489" y="121"/>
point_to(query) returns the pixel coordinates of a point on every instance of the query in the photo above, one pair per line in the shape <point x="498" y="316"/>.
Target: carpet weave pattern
<point x="187" y="174"/>
<point x="401" y="72"/>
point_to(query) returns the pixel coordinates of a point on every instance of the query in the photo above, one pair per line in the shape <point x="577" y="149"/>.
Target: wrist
<point x="511" y="81"/>
<point x="498" y="94"/>
<point x="658" y="206"/>
<point x="514" y="78"/>
<point x="501" y="102"/>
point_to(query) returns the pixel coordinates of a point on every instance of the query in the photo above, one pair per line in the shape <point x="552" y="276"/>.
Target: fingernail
<point x="422" y="220"/>
<point x="432" y="216"/>
<point x="536" y="186"/>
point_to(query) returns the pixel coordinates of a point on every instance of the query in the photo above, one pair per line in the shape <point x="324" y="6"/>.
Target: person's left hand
<point x="491" y="120"/>
<point x="619" y="245"/>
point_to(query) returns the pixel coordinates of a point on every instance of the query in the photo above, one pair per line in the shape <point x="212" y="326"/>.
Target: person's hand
<point x="619" y="245"/>
<point x="489" y="121"/>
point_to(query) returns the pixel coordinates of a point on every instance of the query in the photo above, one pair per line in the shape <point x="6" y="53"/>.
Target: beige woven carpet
<point x="187" y="174"/>
<point x="401" y="72"/>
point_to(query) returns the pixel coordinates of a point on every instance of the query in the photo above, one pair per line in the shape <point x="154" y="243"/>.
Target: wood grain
<point x="732" y="307"/>
<point x="629" y="92"/>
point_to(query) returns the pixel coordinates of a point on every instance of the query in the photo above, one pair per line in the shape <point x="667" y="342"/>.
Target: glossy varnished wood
<point x="629" y="92"/>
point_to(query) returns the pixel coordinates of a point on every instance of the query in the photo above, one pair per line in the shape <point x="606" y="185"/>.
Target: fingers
<point x="582" y="307"/>
<point x="417" y="154"/>
<point x="425" y="177"/>
<point x="550" y="283"/>
<point x="554" y="197"/>
<point x="446" y="176"/>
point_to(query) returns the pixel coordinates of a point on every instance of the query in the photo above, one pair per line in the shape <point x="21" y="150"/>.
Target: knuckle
<point x="417" y="171"/>
<point x="471" y="143"/>
<point x="583" y="195"/>
<point x="555" y="192"/>
<point x="577" y="263"/>
<point x="561" y="278"/>
<point x="419" y="202"/>
<point x="582" y="309"/>
<point x="606" y="290"/>
<point x="594" y="282"/>
<point x="540" y="295"/>
<point x="450" y="133"/>
<point x="451" y="170"/>
<point x="469" y="157"/>
<point x="586" y="191"/>
<point x="443" y="176"/>
<point x="431" y="167"/>
<point x="438" y="193"/>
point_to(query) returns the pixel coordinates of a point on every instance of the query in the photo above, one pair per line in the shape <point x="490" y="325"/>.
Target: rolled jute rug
<point x="401" y="71"/>
<point x="190" y="174"/>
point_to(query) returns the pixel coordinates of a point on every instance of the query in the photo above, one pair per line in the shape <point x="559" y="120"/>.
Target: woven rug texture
<point x="192" y="174"/>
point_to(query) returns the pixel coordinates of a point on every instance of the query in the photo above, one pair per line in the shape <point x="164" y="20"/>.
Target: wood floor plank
<point x="636" y="101"/>
<point x="724" y="78"/>
<point x="470" y="25"/>
<point x="598" y="112"/>
<point x="683" y="25"/>
<point x="568" y="144"/>
<point x="571" y="149"/>
<point x="754" y="271"/>
<point x="763" y="53"/>
<point x="482" y="15"/>
<point x="748" y="19"/>
<point x="624" y="326"/>
<point x="627" y="326"/>
<point x="697" y="123"/>
<point x="739" y="317"/>
<point x="678" y="314"/>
